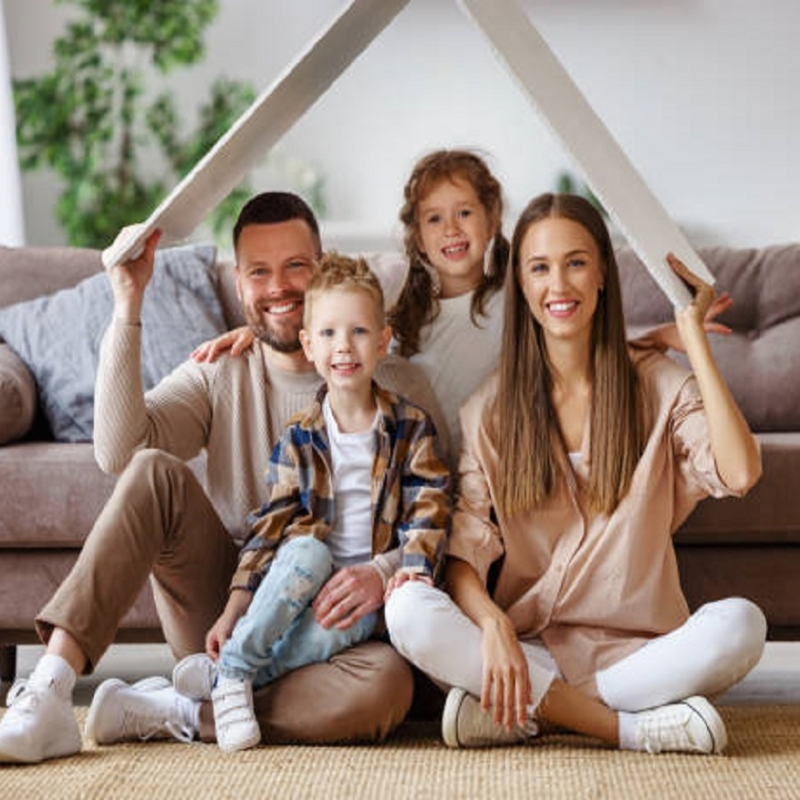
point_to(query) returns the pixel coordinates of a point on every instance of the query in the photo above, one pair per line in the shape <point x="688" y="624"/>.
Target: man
<point x="161" y="522"/>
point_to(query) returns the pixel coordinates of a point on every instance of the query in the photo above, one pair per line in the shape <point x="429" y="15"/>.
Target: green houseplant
<point x="567" y="183"/>
<point x="90" y="119"/>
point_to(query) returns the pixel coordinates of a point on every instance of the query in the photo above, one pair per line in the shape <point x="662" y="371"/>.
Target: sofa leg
<point x="8" y="662"/>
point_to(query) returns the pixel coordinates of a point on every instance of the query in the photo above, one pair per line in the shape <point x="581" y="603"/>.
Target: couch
<point x="52" y="490"/>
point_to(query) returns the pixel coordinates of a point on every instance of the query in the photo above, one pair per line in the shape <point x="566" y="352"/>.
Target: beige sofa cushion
<point x="17" y="396"/>
<point x="760" y="360"/>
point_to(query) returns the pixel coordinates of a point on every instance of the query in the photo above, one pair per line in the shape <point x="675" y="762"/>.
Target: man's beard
<point x="280" y="341"/>
<point x="277" y="343"/>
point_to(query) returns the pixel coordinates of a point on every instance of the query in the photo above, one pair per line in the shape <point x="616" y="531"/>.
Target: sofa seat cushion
<point x="52" y="494"/>
<point x="58" y="336"/>
<point x="768" y="514"/>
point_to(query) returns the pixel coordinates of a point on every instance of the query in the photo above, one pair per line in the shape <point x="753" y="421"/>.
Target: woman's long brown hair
<point x="418" y="305"/>
<point x="524" y="424"/>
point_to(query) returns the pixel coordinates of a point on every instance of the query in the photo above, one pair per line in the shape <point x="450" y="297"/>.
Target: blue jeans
<point x="279" y="632"/>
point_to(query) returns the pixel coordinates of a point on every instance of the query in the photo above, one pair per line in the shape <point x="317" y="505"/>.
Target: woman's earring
<point x="488" y="259"/>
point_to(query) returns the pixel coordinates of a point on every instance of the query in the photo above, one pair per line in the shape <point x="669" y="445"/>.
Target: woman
<point x="580" y="459"/>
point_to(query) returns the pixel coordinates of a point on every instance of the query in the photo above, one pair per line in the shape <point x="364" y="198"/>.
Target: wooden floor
<point x="776" y="679"/>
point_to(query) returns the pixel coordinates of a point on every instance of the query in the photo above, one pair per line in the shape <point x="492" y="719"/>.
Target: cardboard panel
<point x="261" y="126"/>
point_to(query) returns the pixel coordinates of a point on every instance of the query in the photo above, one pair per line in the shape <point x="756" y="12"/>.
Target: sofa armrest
<point x="17" y="396"/>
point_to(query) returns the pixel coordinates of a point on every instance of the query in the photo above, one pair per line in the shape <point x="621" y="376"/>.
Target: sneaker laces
<point x="667" y="730"/>
<point x="146" y="726"/>
<point x="144" y="723"/>
<point x="25" y="694"/>
<point x="16" y="692"/>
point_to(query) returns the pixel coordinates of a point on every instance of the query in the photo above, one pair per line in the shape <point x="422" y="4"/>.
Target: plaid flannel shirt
<point x="410" y="490"/>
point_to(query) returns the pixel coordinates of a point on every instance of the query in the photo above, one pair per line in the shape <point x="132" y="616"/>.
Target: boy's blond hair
<point x="338" y="272"/>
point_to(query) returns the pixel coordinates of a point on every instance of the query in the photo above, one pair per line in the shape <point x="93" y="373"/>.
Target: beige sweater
<point x="233" y="409"/>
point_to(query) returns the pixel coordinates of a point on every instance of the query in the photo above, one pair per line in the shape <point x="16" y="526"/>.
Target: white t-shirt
<point x="352" y="456"/>
<point x="457" y="356"/>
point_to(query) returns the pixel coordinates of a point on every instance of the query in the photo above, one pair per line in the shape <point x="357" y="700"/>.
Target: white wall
<point x="701" y="94"/>
<point x="11" y="219"/>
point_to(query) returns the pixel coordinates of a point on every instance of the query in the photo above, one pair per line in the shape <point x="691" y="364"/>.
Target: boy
<point x="357" y="474"/>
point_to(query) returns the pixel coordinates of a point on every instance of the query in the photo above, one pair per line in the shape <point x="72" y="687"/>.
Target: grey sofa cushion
<point x="58" y="336"/>
<point x="17" y="396"/>
<point x="760" y="360"/>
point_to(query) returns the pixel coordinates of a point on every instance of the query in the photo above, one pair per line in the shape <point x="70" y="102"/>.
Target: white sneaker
<point x="466" y="724"/>
<point x="149" y="709"/>
<point x="691" y="726"/>
<point x="234" y="718"/>
<point x="39" y="723"/>
<point x="194" y="675"/>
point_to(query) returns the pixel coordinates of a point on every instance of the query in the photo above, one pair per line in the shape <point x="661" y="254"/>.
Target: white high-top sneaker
<point x="149" y="709"/>
<point x="40" y="722"/>
<point x="194" y="676"/>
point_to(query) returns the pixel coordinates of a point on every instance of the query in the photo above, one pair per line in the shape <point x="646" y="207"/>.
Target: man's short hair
<point x="345" y="273"/>
<point x="269" y="208"/>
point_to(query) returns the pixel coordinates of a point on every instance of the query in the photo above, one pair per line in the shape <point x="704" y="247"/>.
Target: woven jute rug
<point x="761" y="763"/>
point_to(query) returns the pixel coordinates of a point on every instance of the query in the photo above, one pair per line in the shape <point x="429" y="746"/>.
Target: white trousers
<point x="716" y="647"/>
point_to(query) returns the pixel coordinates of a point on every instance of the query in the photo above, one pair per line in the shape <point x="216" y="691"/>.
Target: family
<point x="479" y="485"/>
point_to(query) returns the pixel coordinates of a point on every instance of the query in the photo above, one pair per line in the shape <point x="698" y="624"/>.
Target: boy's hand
<point x="238" y="602"/>
<point x="349" y="594"/>
<point x="400" y="577"/>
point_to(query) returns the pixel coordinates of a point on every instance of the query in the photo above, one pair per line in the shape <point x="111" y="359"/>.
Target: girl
<point x="580" y="459"/>
<point x="449" y="316"/>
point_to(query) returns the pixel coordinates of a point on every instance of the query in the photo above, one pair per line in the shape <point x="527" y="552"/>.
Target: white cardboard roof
<point x="525" y="54"/>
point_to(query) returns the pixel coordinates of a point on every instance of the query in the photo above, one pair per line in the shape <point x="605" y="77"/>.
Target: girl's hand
<point x="667" y="337"/>
<point x="237" y="341"/>
<point x="506" y="691"/>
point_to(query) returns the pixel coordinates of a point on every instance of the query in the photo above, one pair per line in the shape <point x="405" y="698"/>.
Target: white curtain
<point x="12" y="230"/>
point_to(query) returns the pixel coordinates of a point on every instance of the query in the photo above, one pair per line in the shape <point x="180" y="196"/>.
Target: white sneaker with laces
<point x="234" y="718"/>
<point x="690" y="726"/>
<point x="149" y="709"/>
<point x="39" y="723"/>
<point x="194" y="676"/>
<point x="466" y="724"/>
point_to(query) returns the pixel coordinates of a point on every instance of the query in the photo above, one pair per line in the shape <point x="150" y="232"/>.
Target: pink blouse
<point x="593" y="587"/>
